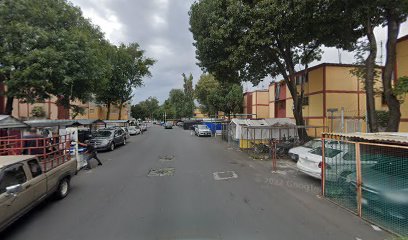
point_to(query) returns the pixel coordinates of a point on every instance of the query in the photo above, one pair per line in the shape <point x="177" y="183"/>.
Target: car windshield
<point x="102" y="134"/>
<point x="202" y="127"/>
<point x="132" y="128"/>
<point x="328" y="152"/>
<point x="313" y="144"/>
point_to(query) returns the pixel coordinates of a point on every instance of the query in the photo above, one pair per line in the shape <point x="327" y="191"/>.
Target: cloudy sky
<point x="161" y="28"/>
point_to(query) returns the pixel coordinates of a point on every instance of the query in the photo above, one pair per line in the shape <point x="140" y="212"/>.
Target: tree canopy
<point x="47" y="48"/>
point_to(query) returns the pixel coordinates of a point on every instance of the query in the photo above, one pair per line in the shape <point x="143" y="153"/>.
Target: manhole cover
<point x="161" y="172"/>
<point x="225" y="175"/>
<point x="166" y="158"/>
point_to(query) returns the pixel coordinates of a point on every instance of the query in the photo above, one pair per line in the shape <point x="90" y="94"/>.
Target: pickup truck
<point x="24" y="183"/>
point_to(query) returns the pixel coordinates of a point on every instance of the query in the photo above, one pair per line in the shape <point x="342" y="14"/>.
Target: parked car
<point x="24" y="184"/>
<point x="168" y="125"/>
<point x="134" y="130"/>
<point x="143" y="127"/>
<point x="108" y="138"/>
<point x="312" y="144"/>
<point x="127" y="134"/>
<point x="339" y="161"/>
<point x="202" y="130"/>
<point x="179" y="124"/>
<point x="384" y="186"/>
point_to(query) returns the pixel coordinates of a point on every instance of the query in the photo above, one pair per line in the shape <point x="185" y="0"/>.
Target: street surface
<point x="120" y="201"/>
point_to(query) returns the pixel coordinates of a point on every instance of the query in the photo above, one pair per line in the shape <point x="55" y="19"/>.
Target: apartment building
<point x="256" y="103"/>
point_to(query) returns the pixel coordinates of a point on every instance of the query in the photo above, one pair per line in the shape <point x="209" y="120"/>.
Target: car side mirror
<point x="13" y="190"/>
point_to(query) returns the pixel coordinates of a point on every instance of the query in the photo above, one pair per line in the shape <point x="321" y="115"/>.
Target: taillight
<point x="326" y="165"/>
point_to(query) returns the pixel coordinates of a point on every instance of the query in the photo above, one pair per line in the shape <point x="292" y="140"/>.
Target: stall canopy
<point x="8" y="122"/>
<point x="262" y="129"/>
<point x="43" y="123"/>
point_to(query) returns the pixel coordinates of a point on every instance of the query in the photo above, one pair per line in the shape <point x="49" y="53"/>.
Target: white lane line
<point x="376" y="228"/>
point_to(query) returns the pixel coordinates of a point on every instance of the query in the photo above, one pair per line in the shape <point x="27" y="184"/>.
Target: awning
<point x="7" y="121"/>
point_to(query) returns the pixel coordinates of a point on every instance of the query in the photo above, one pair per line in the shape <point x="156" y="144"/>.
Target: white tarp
<point x="287" y="128"/>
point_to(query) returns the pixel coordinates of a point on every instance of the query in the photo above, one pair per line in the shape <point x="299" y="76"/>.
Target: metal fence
<point x="51" y="151"/>
<point x="370" y="179"/>
<point x="269" y="142"/>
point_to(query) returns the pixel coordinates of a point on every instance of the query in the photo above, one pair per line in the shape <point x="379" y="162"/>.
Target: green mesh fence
<point x="384" y="182"/>
<point x="340" y="163"/>
<point x="385" y="186"/>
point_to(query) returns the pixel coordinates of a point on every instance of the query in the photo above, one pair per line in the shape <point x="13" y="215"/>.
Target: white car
<point x="143" y="127"/>
<point x="312" y="144"/>
<point x="202" y="130"/>
<point x="134" y="130"/>
<point x="296" y="151"/>
<point x="339" y="159"/>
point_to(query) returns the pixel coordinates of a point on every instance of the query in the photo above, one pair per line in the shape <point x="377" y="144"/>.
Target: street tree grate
<point x="225" y="175"/>
<point x="166" y="158"/>
<point x="161" y="172"/>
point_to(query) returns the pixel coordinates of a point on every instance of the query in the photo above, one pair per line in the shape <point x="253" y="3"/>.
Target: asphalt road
<point x="120" y="201"/>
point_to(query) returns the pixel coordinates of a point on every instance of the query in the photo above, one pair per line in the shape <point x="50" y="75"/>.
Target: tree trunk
<point x="9" y="106"/>
<point x="391" y="100"/>
<point x="369" y="80"/>
<point x="108" y="110"/>
<point x="120" y="111"/>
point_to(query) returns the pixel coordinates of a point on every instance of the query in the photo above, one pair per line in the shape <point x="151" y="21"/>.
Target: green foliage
<point x="48" y="48"/>
<point x="382" y="118"/>
<point x="128" y="68"/>
<point x="401" y="88"/>
<point x="148" y="108"/>
<point x="205" y="85"/>
<point x="189" y="105"/>
<point x="227" y="99"/>
<point x="38" y="112"/>
<point x="239" y="40"/>
<point x="76" y="111"/>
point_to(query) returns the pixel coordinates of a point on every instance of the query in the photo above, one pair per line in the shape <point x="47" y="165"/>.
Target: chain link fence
<point x="369" y="179"/>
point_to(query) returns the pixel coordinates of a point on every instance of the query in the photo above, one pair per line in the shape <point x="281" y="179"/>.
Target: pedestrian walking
<point x="91" y="153"/>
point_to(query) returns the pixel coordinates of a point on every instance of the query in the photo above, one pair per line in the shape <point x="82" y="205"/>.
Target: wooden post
<point x="323" y="168"/>
<point x="358" y="179"/>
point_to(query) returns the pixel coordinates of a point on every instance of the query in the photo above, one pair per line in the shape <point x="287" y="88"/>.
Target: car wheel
<point x="112" y="147"/>
<point x="63" y="188"/>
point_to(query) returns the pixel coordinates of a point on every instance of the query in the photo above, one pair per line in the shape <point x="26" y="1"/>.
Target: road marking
<point x="279" y="172"/>
<point x="376" y="228"/>
<point x="225" y="175"/>
<point x="161" y="172"/>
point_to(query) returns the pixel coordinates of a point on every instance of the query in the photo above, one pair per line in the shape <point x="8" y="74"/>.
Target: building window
<point x="302" y="79"/>
<point x="91" y="110"/>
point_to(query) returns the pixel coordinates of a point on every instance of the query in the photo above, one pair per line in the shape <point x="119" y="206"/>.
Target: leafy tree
<point x="240" y="40"/>
<point x="189" y="105"/>
<point x="129" y="66"/>
<point x="401" y="88"/>
<point x="228" y="99"/>
<point x="368" y="15"/>
<point x="38" y="112"/>
<point x="48" y="48"/>
<point x="133" y="66"/>
<point x="205" y="85"/>
<point x="395" y="13"/>
<point x="145" y="109"/>
<point x="77" y="110"/>
<point x="177" y="102"/>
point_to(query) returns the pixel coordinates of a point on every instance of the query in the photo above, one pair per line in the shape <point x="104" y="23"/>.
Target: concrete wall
<point x="401" y="71"/>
